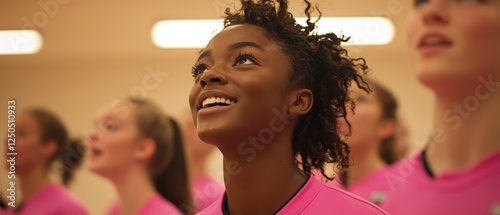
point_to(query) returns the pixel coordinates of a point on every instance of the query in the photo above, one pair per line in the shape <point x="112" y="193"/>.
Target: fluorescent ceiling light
<point x="197" y="33"/>
<point x="194" y="33"/>
<point x="14" y="42"/>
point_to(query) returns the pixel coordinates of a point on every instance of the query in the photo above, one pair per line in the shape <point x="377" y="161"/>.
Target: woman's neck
<point x="364" y="163"/>
<point x="134" y="188"/>
<point x="465" y="130"/>
<point x="33" y="181"/>
<point x="263" y="183"/>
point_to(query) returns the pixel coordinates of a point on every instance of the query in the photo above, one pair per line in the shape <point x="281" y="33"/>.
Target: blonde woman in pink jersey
<point x="43" y="145"/>
<point x="267" y="90"/>
<point x="455" y="49"/>
<point x="140" y="151"/>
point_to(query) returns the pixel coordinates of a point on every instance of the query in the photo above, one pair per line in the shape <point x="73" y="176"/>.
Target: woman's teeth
<point x="214" y="101"/>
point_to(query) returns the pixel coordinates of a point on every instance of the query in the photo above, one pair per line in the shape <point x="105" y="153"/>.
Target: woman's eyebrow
<point x="240" y="45"/>
<point x="204" y="53"/>
<point x="232" y="47"/>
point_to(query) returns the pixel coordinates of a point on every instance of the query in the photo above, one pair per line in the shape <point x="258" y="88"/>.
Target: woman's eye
<point x="245" y="59"/>
<point x="471" y="1"/>
<point x="198" y="69"/>
<point x="361" y="99"/>
<point x="109" y="126"/>
<point x="21" y="133"/>
<point x="420" y="3"/>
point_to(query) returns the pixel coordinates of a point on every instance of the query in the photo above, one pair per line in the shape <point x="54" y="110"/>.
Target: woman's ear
<point x="301" y="101"/>
<point x="49" y="148"/>
<point x="386" y="128"/>
<point x="145" y="149"/>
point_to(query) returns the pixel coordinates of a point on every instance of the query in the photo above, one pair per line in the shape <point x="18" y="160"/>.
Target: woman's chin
<point x="212" y="136"/>
<point x="218" y="135"/>
<point x="96" y="168"/>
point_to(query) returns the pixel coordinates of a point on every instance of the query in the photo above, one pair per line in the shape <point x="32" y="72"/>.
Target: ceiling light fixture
<point x="196" y="33"/>
<point x="16" y="42"/>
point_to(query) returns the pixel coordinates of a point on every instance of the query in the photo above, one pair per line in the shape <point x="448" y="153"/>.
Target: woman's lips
<point x="214" y="97"/>
<point x="95" y="152"/>
<point x="433" y="42"/>
<point x="214" y="109"/>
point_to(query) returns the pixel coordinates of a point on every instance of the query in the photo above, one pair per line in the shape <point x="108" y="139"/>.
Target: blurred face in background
<point x="365" y="120"/>
<point x="29" y="147"/>
<point x="113" y="141"/>
<point x="452" y="43"/>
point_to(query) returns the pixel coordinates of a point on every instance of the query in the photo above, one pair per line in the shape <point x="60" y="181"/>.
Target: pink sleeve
<point x="71" y="209"/>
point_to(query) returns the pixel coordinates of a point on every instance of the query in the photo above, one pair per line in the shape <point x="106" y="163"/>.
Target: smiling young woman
<point x="455" y="48"/>
<point x="266" y="91"/>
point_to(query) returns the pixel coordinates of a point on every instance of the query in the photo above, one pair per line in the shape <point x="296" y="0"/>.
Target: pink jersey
<point x="373" y="187"/>
<point x="316" y="197"/>
<point x="206" y="190"/>
<point x="3" y="211"/>
<point x="472" y="191"/>
<point x="51" y="200"/>
<point x="156" y="205"/>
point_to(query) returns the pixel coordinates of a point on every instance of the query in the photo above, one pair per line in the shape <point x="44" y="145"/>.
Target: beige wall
<point x="98" y="51"/>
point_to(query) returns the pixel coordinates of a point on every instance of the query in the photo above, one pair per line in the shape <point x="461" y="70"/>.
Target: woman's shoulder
<point x="158" y="205"/>
<point x="214" y="209"/>
<point x="341" y="201"/>
<point x="316" y="197"/>
<point x="67" y="202"/>
<point x="54" y="199"/>
<point x="62" y="195"/>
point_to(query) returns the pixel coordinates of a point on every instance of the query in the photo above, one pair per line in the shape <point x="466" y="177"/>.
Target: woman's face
<point x="454" y="41"/>
<point x="248" y="72"/>
<point x="112" y="140"/>
<point x="365" y="121"/>
<point x="29" y="145"/>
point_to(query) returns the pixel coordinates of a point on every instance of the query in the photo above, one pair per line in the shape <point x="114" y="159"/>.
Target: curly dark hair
<point x="320" y="64"/>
